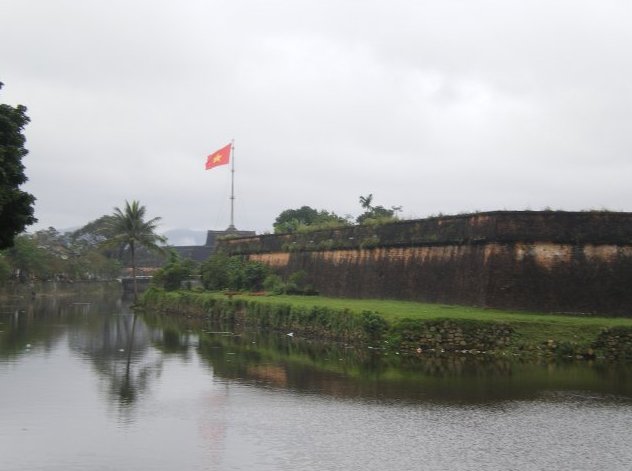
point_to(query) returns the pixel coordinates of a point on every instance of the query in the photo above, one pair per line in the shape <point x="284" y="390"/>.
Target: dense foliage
<point x="92" y="252"/>
<point x="305" y="217"/>
<point x="296" y="283"/>
<point x="174" y="273"/>
<point x="16" y="206"/>
<point x="49" y="254"/>
<point x="222" y="272"/>
<point x="376" y="214"/>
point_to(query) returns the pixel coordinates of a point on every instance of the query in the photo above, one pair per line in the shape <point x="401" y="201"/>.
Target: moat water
<point x="85" y="384"/>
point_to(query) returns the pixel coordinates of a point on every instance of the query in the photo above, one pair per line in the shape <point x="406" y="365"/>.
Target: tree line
<point x="97" y="251"/>
<point x="306" y="218"/>
<point x="100" y="249"/>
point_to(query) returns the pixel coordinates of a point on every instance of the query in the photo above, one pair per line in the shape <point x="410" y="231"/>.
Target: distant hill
<point x="185" y="237"/>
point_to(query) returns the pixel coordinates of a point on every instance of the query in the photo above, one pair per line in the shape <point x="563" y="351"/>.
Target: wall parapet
<point x="596" y="227"/>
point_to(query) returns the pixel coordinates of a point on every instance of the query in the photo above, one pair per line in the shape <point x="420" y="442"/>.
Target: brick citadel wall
<point x="577" y="262"/>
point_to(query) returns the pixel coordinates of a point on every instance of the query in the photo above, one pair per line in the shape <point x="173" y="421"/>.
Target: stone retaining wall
<point x="451" y="336"/>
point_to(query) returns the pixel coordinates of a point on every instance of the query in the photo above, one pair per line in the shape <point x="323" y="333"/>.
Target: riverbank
<point x="11" y="290"/>
<point x="410" y="327"/>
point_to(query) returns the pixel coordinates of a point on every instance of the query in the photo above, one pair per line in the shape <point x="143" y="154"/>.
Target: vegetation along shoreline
<point x="408" y="327"/>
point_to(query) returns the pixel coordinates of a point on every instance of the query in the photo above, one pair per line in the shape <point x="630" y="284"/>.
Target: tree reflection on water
<point x="128" y="352"/>
<point x="101" y="330"/>
<point x="119" y="348"/>
<point x="279" y="361"/>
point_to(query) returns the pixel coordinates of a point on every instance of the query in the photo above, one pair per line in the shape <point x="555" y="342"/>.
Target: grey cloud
<point x="437" y="106"/>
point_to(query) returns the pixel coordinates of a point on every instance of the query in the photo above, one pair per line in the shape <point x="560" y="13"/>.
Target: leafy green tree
<point x="49" y="254"/>
<point x="128" y="229"/>
<point x="214" y="272"/>
<point x="93" y="259"/>
<point x="305" y="217"/>
<point x="95" y="232"/>
<point x="16" y="206"/>
<point x="92" y="264"/>
<point x="177" y="270"/>
<point x="75" y="258"/>
<point x="223" y="272"/>
<point x="235" y="273"/>
<point x="254" y="274"/>
<point x="29" y="260"/>
<point x="376" y="214"/>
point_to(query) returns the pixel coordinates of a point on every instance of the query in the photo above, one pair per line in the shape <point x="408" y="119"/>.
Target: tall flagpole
<point x="232" y="186"/>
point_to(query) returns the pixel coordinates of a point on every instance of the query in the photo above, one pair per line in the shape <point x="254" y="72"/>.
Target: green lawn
<point x="530" y="327"/>
<point x="532" y="332"/>
<point x="392" y="310"/>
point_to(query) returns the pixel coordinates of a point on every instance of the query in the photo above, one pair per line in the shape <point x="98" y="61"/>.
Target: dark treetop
<point x="16" y="206"/>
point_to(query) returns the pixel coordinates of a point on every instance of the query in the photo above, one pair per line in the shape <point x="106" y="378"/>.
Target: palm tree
<point x="365" y="202"/>
<point x="128" y="229"/>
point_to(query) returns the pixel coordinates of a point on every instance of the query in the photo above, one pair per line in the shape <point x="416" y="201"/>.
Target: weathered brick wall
<point x="584" y="278"/>
<point x="552" y="261"/>
<point x="434" y="273"/>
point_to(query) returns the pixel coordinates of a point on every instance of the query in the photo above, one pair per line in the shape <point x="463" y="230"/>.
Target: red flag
<point x="221" y="157"/>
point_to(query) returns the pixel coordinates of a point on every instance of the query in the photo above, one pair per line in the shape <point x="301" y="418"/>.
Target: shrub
<point x="274" y="284"/>
<point x="373" y="324"/>
<point x="254" y="274"/>
<point x="223" y="272"/>
<point x="171" y="276"/>
<point x="214" y="272"/>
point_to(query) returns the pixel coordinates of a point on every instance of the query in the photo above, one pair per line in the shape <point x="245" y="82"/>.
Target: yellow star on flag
<point x="220" y="157"/>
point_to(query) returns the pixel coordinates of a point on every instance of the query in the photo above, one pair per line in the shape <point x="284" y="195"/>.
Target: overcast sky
<point x="442" y="106"/>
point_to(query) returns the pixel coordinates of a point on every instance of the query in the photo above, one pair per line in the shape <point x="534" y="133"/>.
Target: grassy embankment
<point x="407" y="325"/>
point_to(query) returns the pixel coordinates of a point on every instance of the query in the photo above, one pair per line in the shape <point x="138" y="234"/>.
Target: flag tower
<point x="231" y="227"/>
<point x="222" y="157"/>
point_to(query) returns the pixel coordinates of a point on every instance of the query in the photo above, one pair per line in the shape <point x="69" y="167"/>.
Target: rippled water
<point x="85" y="384"/>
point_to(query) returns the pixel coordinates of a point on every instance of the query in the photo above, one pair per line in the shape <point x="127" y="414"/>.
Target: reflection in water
<point x="119" y="349"/>
<point x="128" y="352"/>
<point x="276" y="360"/>
<point x="102" y="330"/>
<point x="88" y="384"/>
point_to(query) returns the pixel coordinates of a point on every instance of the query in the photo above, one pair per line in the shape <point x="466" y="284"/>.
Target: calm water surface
<point x="87" y="385"/>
